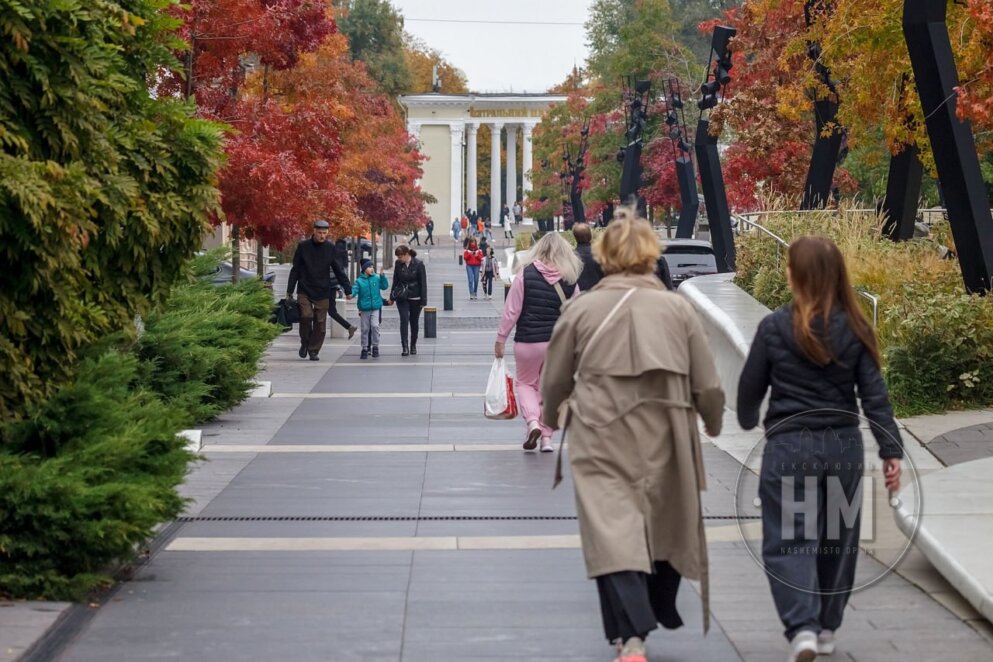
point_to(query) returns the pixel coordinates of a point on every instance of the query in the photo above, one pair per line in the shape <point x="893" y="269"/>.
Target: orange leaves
<point x="976" y="67"/>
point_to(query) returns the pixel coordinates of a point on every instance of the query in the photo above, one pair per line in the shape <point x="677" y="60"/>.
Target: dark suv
<point x="687" y="258"/>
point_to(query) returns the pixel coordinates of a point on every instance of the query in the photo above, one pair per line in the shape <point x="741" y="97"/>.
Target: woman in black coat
<point x="410" y="290"/>
<point x="819" y="357"/>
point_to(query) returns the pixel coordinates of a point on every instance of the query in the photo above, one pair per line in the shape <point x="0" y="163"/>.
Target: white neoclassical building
<point x="447" y="125"/>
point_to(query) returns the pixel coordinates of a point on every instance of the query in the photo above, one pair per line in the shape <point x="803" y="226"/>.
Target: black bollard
<point x="506" y="291"/>
<point x="449" y="297"/>
<point x="430" y="322"/>
<point x="460" y="259"/>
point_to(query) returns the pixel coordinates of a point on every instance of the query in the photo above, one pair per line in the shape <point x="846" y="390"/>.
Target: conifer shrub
<point x="85" y="476"/>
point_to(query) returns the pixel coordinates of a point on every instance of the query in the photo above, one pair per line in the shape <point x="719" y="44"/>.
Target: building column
<point x="471" y="192"/>
<point x="455" y="208"/>
<point x="527" y="165"/>
<point x="495" y="201"/>
<point x="511" y="165"/>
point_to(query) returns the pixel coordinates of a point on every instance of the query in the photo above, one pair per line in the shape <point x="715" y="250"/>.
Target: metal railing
<point x="783" y="244"/>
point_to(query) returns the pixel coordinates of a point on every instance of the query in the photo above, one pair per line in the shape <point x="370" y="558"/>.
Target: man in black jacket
<point x="592" y="273"/>
<point x="316" y="274"/>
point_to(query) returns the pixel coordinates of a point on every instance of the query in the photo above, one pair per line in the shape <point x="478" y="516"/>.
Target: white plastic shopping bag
<point x="500" y="403"/>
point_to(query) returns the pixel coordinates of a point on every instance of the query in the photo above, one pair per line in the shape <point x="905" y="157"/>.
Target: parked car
<point x="687" y="258"/>
<point x="222" y="276"/>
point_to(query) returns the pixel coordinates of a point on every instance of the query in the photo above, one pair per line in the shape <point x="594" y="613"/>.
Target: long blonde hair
<point x="554" y="251"/>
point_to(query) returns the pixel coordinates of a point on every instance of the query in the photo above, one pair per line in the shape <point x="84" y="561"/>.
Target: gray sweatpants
<point x="810" y="560"/>
<point x="369" y="323"/>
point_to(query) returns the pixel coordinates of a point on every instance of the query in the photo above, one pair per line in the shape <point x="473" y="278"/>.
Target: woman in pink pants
<point x="545" y="280"/>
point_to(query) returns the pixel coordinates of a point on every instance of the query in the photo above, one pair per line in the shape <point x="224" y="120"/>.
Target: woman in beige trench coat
<point x="629" y="369"/>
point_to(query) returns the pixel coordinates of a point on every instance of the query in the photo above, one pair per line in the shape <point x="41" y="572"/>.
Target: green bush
<point x="201" y="353"/>
<point x="936" y="341"/>
<point x="105" y="190"/>
<point x="87" y="474"/>
<point x="84" y="478"/>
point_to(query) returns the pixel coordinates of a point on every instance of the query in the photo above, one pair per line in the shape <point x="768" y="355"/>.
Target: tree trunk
<point x="235" y="252"/>
<point x="374" y="245"/>
<point x="259" y="264"/>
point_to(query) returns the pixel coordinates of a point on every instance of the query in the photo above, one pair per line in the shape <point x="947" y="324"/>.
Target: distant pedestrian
<point x="341" y="255"/>
<point x="663" y="274"/>
<point x="819" y="355"/>
<point x="456" y="229"/>
<point x="464" y="223"/>
<point x="546" y="280"/>
<point x="518" y="212"/>
<point x="630" y="368"/>
<point x="430" y="228"/>
<point x="491" y="270"/>
<point x="508" y="232"/>
<point x="480" y="227"/>
<point x="367" y="290"/>
<point x="410" y="293"/>
<point x="592" y="273"/>
<point x="473" y="258"/>
<point x="315" y="275"/>
<point x="416" y="236"/>
<point x="484" y="244"/>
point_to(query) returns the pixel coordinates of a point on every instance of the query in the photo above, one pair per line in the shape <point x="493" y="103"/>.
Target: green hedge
<point x="88" y="473"/>
<point x="936" y="340"/>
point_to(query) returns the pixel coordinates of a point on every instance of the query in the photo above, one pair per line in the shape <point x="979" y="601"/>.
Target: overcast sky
<point x="497" y="54"/>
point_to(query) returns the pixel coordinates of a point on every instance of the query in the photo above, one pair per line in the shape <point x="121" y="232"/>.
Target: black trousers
<point x="336" y="316"/>
<point x="430" y="239"/>
<point x="488" y="283"/>
<point x="410" y="315"/>
<point x="633" y="603"/>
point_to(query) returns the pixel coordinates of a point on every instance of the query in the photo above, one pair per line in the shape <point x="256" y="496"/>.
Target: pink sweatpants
<point x="530" y="358"/>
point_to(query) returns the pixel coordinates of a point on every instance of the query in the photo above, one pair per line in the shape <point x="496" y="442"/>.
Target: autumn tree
<point x="629" y="39"/>
<point x="375" y="36"/>
<point x="281" y="160"/>
<point x="421" y="60"/>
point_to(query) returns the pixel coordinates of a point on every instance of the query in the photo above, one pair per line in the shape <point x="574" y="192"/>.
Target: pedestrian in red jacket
<point x="473" y="258"/>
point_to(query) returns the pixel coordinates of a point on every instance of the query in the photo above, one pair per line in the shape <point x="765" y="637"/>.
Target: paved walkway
<point x="367" y="511"/>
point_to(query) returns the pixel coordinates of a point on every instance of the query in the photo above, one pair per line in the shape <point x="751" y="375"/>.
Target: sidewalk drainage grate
<point x="426" y="518"/>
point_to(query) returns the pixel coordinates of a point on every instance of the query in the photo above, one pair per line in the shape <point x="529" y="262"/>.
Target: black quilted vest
<point x="541" y="307"/>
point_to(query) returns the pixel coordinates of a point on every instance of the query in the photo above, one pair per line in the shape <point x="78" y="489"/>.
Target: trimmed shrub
<point x="84" y="478"/>
<point x="201" y="353"/>
<point x="936" y="341"/>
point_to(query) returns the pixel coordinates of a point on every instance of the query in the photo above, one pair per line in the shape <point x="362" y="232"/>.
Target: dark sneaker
<point x="413" y="349"/>
<point x="314" y="356"/>
<point x="375" y="352"/>
<point x="351" y="331"/>
<point x="303" y="350"/>
<point x="364" y="354"/>
<point x="405" y="352"/>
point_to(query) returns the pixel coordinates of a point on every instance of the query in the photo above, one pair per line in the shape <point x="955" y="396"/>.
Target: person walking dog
<point x="627" y="372"/>
<point x="410" y="293"/>
<point x="473" y="258"/>
<point x="366" y="290"/>
<point x="314" y="276"/>
<point x="819" y="356"/>
<point x="546" y="280"/>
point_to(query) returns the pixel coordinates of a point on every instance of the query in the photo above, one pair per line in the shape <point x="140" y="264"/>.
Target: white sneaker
<point x="804" y="644"/>
<point x="546" y="445"/>
<point x="825" y="642"/>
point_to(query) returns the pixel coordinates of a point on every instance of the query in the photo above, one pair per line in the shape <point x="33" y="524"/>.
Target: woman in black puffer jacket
<point x="410" y="290"/>
<point x="819" y="357"/>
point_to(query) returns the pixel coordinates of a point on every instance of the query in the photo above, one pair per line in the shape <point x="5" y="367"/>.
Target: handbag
<point x="564" y="409"/>
<point x="287" y="313"/>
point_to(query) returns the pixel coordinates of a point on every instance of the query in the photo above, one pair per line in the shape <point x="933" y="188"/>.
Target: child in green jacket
<point x="366" y="291"/>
